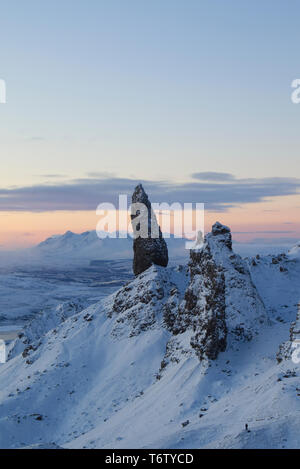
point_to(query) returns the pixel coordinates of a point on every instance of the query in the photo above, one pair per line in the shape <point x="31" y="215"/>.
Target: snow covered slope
<point x="277" y="281"/>
<point x="294" y="252"/>
<point x="120" y="375"/>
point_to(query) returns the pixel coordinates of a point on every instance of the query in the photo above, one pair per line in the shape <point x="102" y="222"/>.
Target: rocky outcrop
<point x="290" y="349"/>
<point x="224" y="234"/>
<point x="145" y="302"/>
<point x="203" y="308"/>
<point x="208" y="311"/>
<point x="149" y="246"/>
<point x="221" y="304"/>
<point x="244" y="309"/>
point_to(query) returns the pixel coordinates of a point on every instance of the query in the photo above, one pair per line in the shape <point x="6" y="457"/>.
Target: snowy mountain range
<point x="82" y="248"/>
<point x="179" y="357"/>
<point x="76" y="248"/>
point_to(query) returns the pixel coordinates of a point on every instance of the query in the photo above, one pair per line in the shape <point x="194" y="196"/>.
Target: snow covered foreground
<point x="115" y="375"/>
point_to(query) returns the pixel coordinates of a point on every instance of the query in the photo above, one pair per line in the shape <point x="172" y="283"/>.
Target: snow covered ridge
<point x="177" y="358"/>
<point x="277" y="279"/>
<point x="45" y="321"/>
<point x="290" y="350"/>
<point x="294" y="252"/>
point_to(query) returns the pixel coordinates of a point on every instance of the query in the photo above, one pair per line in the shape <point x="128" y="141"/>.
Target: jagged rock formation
<point x="287" y="349"/>
<point x="221" y="304"/>
<point x="145" y="302"/>
<point x="147" y="250"/>
<point x="218" y="308"/>
<point x="224" y="234"/>
<point x="244" y="309"/>
<point x="203" y="309"/>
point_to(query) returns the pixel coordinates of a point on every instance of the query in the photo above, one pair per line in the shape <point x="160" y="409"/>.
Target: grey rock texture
<point x="287" y="349"/>
<point x="224" y="234"/>
<point x="203" y="308"/>
<point x="147" y="250"/>
<point x="221" y="305"/>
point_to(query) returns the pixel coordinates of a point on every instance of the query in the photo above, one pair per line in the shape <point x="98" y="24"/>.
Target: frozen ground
<point x="25" y="291"/>
<point x="112" y="375"/>
<point x="95" y="379"/>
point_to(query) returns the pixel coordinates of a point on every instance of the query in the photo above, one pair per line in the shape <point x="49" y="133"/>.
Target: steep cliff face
<point x="203" y="308"/>
<point x="291" y="348"/>
<point x="149" y="246"/>
<point x="221" y="304"/>
<point x="244" y="309"/>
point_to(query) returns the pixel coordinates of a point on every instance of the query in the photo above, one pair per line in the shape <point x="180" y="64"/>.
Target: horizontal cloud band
<point x="218" y="191"/>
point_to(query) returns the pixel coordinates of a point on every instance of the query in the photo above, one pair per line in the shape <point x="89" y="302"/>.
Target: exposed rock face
<point x="147" y="250"/>
<point x="207" y="312"/>
<point x="287" y="349"/>
<point x="244" y="308"/>
<point x="224" y="234"/>
<point x="144" y="302"/>
<point x="203" y="308"/>
<point x="221" y="304"/>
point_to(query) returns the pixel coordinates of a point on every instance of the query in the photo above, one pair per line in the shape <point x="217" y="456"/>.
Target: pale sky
<point x="158" y="91"/>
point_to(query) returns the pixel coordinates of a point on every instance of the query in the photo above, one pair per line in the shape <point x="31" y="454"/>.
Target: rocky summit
<point x="149" y="246"/>
<point x="290" y="349"/>
<point x="221" y="305"/>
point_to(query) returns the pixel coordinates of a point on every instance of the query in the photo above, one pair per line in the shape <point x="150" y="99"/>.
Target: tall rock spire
<point x="147" y="250"/>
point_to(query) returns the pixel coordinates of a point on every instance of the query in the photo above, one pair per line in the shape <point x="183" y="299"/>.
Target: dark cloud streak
<point x="87" y="193"/>
<point x="213" y="176"/>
